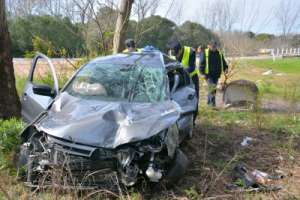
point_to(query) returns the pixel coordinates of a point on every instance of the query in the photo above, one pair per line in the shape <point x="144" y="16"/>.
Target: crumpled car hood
<point x="106" y="124"/>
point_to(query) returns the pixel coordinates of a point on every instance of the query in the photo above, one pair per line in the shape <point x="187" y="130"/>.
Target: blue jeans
<point x="212" y="89"/>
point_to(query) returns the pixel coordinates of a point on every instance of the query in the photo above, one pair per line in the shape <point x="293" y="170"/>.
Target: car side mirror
<point x="43" y="90"/>
<point x="176" y="83"/>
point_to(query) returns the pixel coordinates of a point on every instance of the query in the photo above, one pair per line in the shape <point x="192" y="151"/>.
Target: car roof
<point x="152" y="59"/>
<point x="147" y="58"/>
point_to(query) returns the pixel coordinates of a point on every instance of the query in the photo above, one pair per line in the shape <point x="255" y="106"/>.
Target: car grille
<point x="71" y="147"/>
<point x="81" y="157"/>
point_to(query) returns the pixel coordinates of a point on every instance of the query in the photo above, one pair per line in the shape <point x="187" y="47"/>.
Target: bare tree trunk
<point x="121" y="25"/>
<point x="9" y="100"/>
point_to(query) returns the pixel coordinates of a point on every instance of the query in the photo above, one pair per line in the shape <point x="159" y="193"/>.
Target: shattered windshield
<point x="118" y="82"/>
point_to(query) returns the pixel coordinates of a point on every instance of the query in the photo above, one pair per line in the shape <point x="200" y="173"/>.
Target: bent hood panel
<point x="106" y="124"/>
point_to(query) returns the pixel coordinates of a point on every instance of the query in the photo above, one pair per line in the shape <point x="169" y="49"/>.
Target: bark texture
<point x="121" y="25"/>
<point x="9" y="100"/>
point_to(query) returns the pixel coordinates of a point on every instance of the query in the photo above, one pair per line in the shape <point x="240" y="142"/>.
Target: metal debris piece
<point x="246" y="141"/>
<point x="249" y="181"/>
<point x="269" y="72"/>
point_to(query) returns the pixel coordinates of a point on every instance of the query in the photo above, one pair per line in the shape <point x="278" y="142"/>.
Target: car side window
<point x="42" y="74"/>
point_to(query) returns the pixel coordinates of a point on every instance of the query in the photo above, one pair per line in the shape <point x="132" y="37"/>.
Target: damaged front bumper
<point x="55" y="160"/>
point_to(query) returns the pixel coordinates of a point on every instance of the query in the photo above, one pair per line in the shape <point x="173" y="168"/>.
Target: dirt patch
<point x="213" y="153"/>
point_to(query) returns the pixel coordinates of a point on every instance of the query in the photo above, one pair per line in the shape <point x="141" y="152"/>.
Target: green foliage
<point x="9" y="139"/>
<point x="58" y="37"/>
<point x="263" y="37"/>
<point x="154" y="30"/>
<point x="48" y="34"/>
<point x="158" y="31"/>
<point x="192" y="193"/>
<point x="99" y="41"/>
<point x="43" y="79"/>
<point x="287" y="124"/>
<point x="194" y="34"/>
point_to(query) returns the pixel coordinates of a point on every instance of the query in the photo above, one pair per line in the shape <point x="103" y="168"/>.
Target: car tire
<point x="179" y="167"/>
<point x="190" y="130"/>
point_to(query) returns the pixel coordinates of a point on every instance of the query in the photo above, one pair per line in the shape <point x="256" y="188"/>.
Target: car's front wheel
<point x="178" y="168"/>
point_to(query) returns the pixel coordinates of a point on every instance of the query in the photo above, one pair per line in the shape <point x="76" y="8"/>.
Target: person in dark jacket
<point x="212" y="67"/>
<point x="187" y="57"/>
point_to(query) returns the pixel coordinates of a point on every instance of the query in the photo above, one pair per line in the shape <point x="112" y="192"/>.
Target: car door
<point x="42" y="75"/>
<point x="185" y="95"/>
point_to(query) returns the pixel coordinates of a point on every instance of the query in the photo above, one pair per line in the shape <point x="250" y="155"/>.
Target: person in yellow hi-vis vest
<point x="187" y="57"/>
<point x="130" y="46"/>
<point x="212" y="67"/>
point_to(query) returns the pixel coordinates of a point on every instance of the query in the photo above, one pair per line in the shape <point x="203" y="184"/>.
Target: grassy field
<point x="214" y="150"/>
<point x="287" y="65"/>
<point x="283" y="82"/>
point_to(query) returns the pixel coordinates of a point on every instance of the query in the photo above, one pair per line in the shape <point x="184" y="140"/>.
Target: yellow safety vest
<point x="207" y="61"/>
<point x="185" y="61"/>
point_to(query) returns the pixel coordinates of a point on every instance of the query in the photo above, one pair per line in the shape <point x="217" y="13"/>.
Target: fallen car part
<point x="246" y="141"/>
<point x="248" y="181"/>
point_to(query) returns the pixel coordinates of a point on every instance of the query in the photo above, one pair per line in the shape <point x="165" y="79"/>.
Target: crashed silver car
<point x="124" y="114"/>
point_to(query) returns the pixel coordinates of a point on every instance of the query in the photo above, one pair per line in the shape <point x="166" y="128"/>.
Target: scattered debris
<point x="246" y="141"/>
<point x="260" y="177"/>
<point x="280" y="158"/>
<point x="269" y="72"/>
<point x="249" y="181"/>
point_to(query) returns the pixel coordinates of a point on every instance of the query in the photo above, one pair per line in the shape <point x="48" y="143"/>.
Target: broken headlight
<point x="125" y="156"/>
<point x="154" y="143"/>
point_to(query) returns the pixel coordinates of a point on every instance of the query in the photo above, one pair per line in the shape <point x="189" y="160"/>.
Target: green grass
<point x="287" y="123"/>
<point x="282" y="84"/>
<point x="20" y="84"/>
<point x="288" y="65"/>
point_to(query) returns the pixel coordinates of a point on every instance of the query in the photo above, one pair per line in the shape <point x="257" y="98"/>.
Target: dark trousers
<point x="212" y="90"/>
<point x="195" y="80"/>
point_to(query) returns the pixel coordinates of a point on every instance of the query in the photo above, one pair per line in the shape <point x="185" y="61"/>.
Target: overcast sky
<point x="262" y="12"/>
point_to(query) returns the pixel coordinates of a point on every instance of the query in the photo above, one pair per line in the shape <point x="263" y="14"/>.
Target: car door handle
<point x="191" y="96"/>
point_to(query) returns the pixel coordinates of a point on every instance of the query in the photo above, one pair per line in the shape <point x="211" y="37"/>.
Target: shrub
<point x="9" y="139"/>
